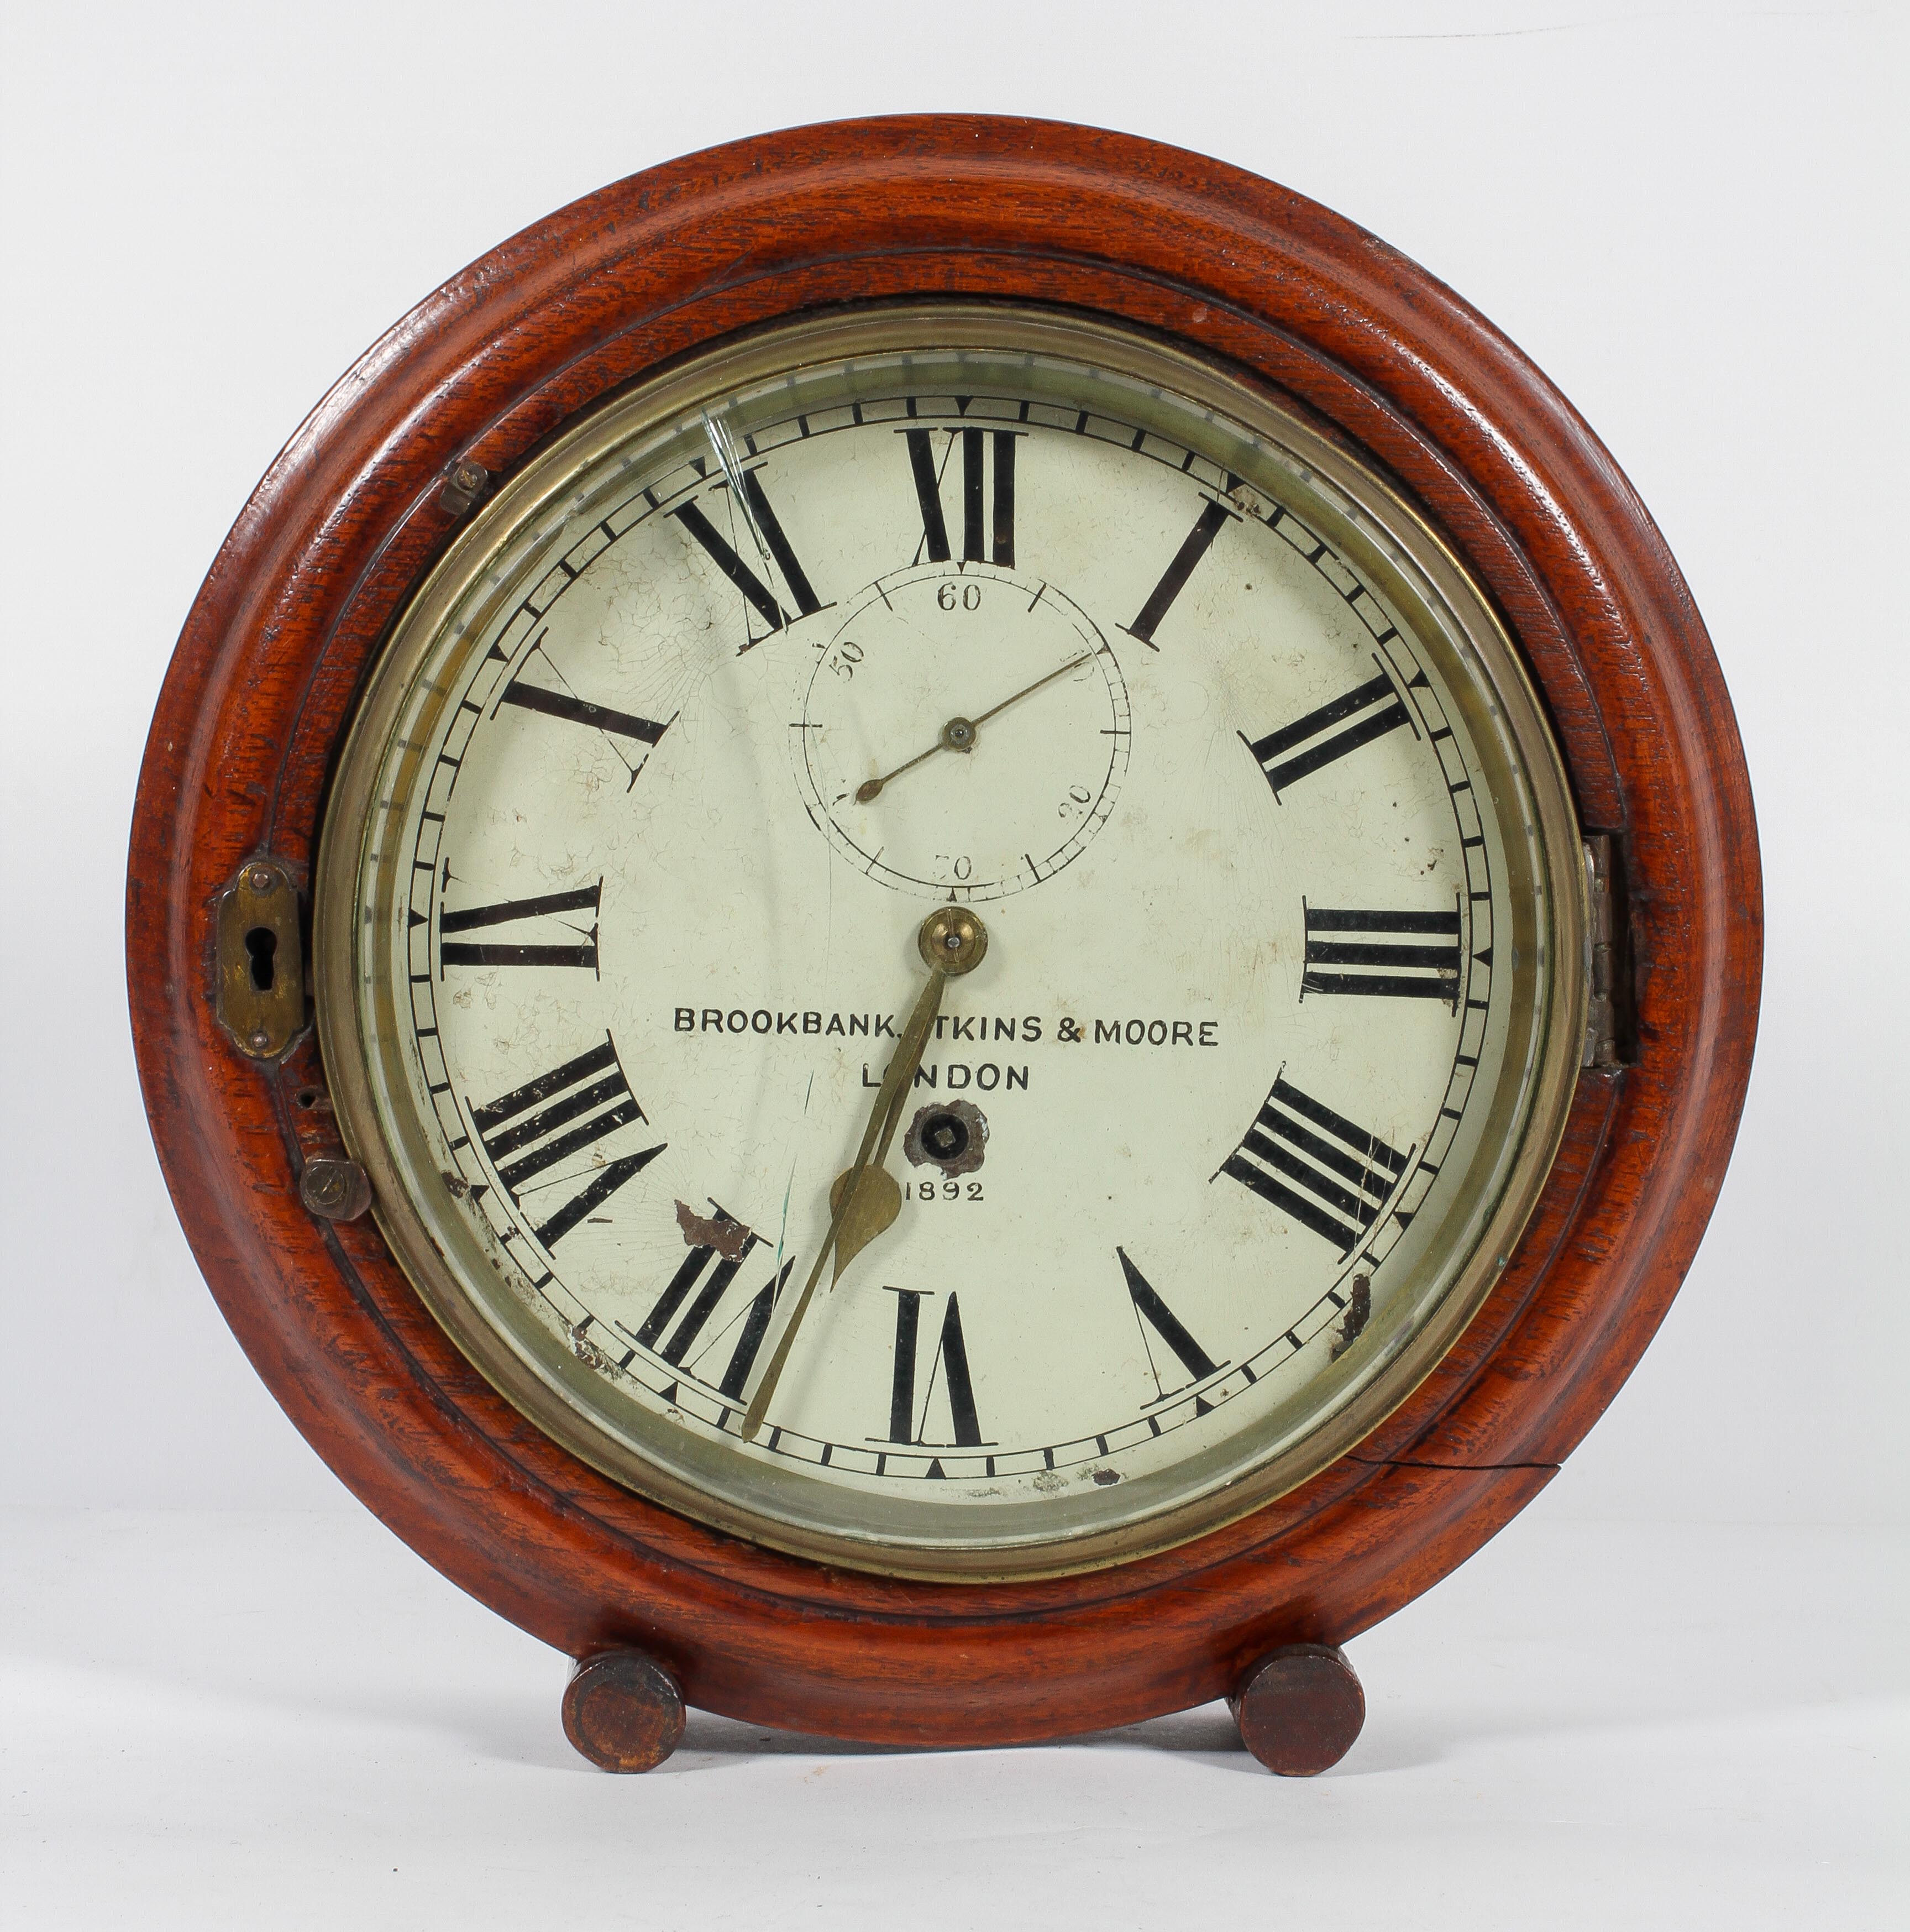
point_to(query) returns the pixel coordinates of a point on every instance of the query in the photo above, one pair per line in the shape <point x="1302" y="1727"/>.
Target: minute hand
<point x="881" y="1124"/>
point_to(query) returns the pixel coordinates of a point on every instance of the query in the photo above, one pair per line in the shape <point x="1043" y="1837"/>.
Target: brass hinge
<point x="1601" y="956"/>
<point x="260" y="962"/>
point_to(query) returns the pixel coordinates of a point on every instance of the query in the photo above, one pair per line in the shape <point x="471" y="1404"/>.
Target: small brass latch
<point x="1602" y="960"/>
<point x="261" y="964"/>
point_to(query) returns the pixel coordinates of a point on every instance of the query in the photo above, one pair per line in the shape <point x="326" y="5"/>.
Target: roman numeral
<point x="578" y="711"/>
<point x="770" y="525"/>
<point x="756" y="507"/>
<point x="950" y="1364"/>
<point x="704" y="1292"/>
<point x="977" y="524"/>
<point x="507" y="912"/>
<point x="1376" y="710"/>
<point x="1151" y="1312"/>
<point x="1193" y="546"/>
<point x="1284" y="1160"/>
<point x="1339" y="937"/>
<point x="755" y="1326"/>
<point x="529" y="1130"/>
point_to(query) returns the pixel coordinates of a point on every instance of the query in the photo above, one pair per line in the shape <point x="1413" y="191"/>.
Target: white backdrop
<point x="1692" y="217"/>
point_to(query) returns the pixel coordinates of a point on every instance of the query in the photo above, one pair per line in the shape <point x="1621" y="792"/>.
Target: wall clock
<point x="945" y="930"/>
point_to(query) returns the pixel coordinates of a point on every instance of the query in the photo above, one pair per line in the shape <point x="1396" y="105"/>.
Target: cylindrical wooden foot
<point x="1300" y="1708"/>
<point x="622" y="1710"/>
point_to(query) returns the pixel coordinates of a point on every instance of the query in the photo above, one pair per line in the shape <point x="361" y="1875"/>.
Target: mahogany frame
<point x="1374" y="351"/>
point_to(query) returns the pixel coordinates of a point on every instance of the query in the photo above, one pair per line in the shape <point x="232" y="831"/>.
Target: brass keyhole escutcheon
<point x="260" y="993"/>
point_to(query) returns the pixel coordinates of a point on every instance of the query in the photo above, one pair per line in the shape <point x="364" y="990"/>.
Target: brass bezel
<point x="1390" y="525"/>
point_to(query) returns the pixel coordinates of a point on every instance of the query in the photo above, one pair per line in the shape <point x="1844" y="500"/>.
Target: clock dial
<point x="1218" y="1146"/>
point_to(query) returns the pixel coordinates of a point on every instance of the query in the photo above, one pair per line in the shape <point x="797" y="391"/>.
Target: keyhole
<point x="261" y="943"/>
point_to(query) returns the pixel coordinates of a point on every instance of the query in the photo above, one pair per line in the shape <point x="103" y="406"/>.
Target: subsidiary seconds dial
<point x="965" y="729"/>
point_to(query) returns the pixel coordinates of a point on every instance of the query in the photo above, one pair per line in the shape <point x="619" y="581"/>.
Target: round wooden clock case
<point x="660" y="1610"/>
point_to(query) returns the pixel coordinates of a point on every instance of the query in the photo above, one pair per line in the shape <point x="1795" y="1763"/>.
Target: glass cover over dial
<point x="757" y="686"/>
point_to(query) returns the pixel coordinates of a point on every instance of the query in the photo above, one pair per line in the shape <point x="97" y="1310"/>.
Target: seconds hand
<point x="959" y="733"/>
<point x="864" y="1199"/>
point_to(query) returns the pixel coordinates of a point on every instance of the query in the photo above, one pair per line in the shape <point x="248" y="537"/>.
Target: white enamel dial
<point x="1206" y="1161"/>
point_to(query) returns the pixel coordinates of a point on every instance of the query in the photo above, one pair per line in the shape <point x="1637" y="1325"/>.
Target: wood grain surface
<point x="623" y="1710"/>
<point x="1290" y="296"/>
<point x="1299" y="1710"/>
